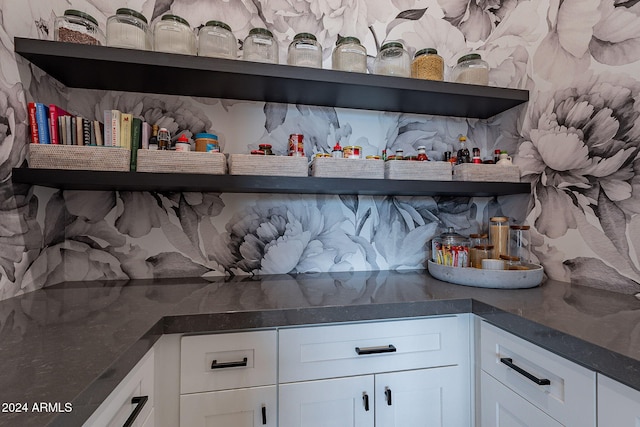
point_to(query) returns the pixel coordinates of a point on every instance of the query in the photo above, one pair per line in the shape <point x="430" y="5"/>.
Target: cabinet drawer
<point x="355" y="349"/>
<point x="569" y="397"/>
<point x="224" y="361"/>
<point x="618" y="405"/>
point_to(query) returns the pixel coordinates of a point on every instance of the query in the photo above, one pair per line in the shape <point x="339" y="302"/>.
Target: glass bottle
<point x="422" y="153"/>
<point x="153" y="139"/>
<point x="349" y="55"/>
<point x="337" y="151"/>
<point x="216" y="40"/>
<point x="164" y="139"/>
<point x="173" y="34"/>
<point x="499" y="235"/>
<point x="393" y="60"/>
<point x="260" y="46"/>
<point x="427" y="65"/>
<point x="463" y="153"/>
<point x="77" y="27"/>
<point x="471" y="69"/>
<point x="128" y="29"/>
<point x="305" y="51"/>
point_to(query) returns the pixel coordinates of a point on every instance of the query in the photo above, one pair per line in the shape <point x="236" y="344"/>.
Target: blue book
<point x="42" y="119"/>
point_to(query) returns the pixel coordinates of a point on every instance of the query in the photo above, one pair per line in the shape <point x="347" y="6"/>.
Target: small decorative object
<point x="352" y="152"/>
<point x="337" y="151"/>
<point x="349" y="55"/>
<point x="393" y="60"/>
<point x="173" y="34"/>
<point x="305" y="51"/>
<point x="77" y="27"/>
<point x="450" y="248"/>
<point x="207" y="143"/>
<point x="504" y="160"/>
<point x="128" y="29"/>
<point x="296" y="145"/>
<point x="260" y="46"/>
<point x="471" y="69"/>
<point x="216" y="40"/>
<point x="427" y="65"/>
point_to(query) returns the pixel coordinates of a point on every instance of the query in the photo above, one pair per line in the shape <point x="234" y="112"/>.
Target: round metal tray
<point x="499" y="279"/>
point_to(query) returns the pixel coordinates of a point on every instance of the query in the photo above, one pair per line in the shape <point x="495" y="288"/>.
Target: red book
<point x="54" y="113"/>
<point x="33" y="124"/>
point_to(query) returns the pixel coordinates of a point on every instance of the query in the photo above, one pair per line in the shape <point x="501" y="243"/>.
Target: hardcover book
<point x="54" y="113"/>
<point x="107" y="128"/>
<point x="42" y="120"/>
<point x="125" y="130"/>
<point x="115" y="128"/>
<point x="33" y="124"/>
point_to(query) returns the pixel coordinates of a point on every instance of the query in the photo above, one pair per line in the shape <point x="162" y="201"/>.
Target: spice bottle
<point x="499" y="235"/>
<point x="422" y="153"/>
<point x="427" y="65"/>
<point x="260" y="46"/>
<point x="216" y="40"/>
<point x="77" y="27"/>
<point x="173" y="34"/>
<point x="128" y="29"/>
<point x="349" y="55"/>
<point x="164" y="139"/>
<point x="393" y="60"/>
<point x="463" y="153"/>
<point x="305" y="51"/>
<point x="337" y="151"/>
<point x="153" y="140"/>
<point x="471" y="69"/>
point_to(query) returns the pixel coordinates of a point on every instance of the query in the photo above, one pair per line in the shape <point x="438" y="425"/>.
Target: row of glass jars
<point x="129" y="29"/>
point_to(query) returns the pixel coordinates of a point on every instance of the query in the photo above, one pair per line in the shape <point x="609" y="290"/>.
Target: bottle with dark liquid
<point x="463" y="153"/>
<point x="153" y="139"/>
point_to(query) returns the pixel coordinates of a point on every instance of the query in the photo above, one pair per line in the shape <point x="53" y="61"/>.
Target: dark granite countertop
<point x="75" y="342"/>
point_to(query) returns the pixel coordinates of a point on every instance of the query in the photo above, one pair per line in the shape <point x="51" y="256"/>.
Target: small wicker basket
<point x="253" y="164"/>
<point x="424" y="171"/>
<point x="330" y="167"/>
<point x="181" y="162"/>
<point x="488" y="173"/>
<point x="79" y="157"/>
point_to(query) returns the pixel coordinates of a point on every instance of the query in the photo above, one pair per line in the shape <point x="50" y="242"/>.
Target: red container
<point x="296" y="145"/>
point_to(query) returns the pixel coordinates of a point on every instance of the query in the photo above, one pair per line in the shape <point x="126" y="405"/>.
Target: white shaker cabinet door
<point x="618" y="405"/>
<point x="245" y="407"/>
<point x="435" y="397"/>
<point x="340" y="402"/>
<point x="501" y="407"/>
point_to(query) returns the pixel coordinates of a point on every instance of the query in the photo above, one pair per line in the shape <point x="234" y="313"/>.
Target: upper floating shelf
<point x="108" y="68"/>
<point x="140" y="181"/>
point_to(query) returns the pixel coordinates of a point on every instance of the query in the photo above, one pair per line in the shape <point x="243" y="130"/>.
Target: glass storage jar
<point x="77" y="27"/>
<point x="128" y="29"/>
<point x="450" y="248"/>
<point x="471" y="69"/>
<point x="393" y="60"/>
<point x="427" y="65"/>
<point x="520" y="242"/>
<point x="260" y="46"/>
<point x="305" y="51"/>
<point x="349" y="55"/>
<point x="499" y="235"/>
<point x="216" y="40"/>
<point x="172" y="34"/>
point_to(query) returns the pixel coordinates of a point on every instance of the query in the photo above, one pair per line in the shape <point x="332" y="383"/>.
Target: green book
<point x="136" y="141"/>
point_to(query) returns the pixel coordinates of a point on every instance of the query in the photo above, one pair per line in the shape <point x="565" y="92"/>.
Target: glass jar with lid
<point x="173" y="34"/>
<point x="349" y="55"/>
<point x="499" y="235"/>
<point x="427" y="65"/>
<point x="471" y="69"/>
<point x="77" y="27"/>
<point x="128" y="29"/>
<point x="260" y="46"/>
<point x="216" y="40"/>
<point x="305" y="51"/>
<point x="450" y="248"/>
<point x="393" y="60"/>
<point x="520" y="243"/>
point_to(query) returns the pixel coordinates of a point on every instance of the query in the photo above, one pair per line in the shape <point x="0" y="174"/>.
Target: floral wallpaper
<point x="577" y="141"/>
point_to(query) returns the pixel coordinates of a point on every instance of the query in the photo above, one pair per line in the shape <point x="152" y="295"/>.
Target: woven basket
<point x="329" y="167"/>
<point x="181" y="162"/>
<point x="253" y="164"/>
<point x="488" y="173"/>
<point x="79" y="157"/>
<point x="424" y="171"/>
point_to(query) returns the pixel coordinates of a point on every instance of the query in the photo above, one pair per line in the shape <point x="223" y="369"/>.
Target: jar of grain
<point x="349" y="55"/>
<point x="428" y="65"/>
<point x="260" y="46"/>
<point x="128" y="29"/>
<point x="471" y="69"/>
<point x="393" y="60"/>
<point x="77" y="27"/>
<point x="216" y="40"/>
<point x="499" y="235"/>
<point x="305" y="51"/>
<point x="173" y="34"/>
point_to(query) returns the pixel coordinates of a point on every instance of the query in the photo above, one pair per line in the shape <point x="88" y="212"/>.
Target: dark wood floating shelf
<point x="108" y="68"/>
<point x="140" y="181"/>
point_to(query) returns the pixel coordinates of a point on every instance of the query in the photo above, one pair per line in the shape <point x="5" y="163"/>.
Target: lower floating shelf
<point x="169" y="182"/>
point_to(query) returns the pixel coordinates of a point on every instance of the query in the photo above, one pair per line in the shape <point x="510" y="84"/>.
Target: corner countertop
<point x="75" y="342"/>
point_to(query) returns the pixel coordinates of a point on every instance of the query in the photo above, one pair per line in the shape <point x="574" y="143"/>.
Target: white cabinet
<point x="389" y="373"/>
<point x="228" y="379"/>
<point x="132" y="400"/>
<point x="559" y="388"/>
<point x="618" y="405"/>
